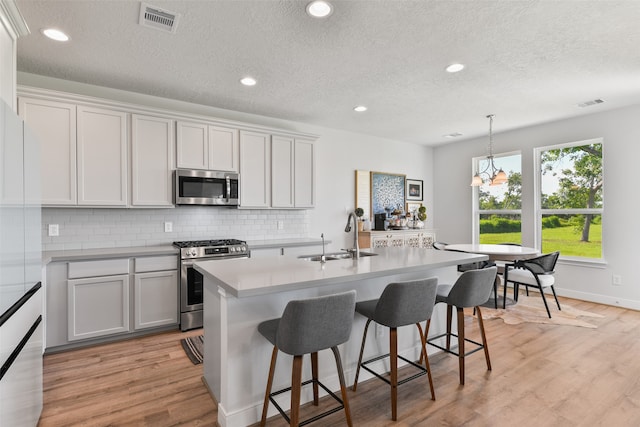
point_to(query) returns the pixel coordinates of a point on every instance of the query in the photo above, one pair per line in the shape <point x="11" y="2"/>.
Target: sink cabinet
<point x="397" y="239"/>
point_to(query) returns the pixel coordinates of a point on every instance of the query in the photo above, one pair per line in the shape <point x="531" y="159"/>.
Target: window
<point x="497" y="208"/>
<point x="569" y="199"/>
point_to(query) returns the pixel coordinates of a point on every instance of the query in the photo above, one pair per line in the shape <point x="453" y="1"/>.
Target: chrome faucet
<point x="356" y="249"/>
<point x="323" y="259"/>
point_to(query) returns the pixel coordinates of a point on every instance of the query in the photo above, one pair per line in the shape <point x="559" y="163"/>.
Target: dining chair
<point x="534" y="272"/>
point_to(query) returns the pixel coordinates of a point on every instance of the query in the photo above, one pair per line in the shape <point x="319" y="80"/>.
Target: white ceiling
<point x="527" y="62"/>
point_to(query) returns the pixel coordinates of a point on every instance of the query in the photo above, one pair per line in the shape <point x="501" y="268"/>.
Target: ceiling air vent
<point x="590" y="103"/>
<point x="160" y="19"/>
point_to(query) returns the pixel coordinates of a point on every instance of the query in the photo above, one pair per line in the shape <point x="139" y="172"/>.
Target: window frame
<point x="475" y="202"/>
<point x="537" y="201"/>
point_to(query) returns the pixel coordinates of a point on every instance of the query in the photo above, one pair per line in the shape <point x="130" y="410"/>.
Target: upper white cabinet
<point x="304" y="171"/>
<point x="152" y="161"/>
<point x="204" y="146"/>
<point x="54" y="124"/>
<point x="292" y="172"/>
<point x="102" y="157"/>
<point x="255" y="169"/>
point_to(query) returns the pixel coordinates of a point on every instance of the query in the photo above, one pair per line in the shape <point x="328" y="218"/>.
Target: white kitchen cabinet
<point x="98" y="306"/>
<point x="397" y="239"/>
<point x="102" y="157"/>
<point x="152" y="161"/>
<point x="282" y="172"/>
<point x="304" y="173"/>
<point x="54" y="125"/>
<point x="155" y="299"/>
<point x="255" y="169"/>
<point x="205" y="146"/>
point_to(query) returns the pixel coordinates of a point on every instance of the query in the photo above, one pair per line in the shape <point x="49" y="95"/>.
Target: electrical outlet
<point x="54" y="230"/>
<point x="616" y="280"/>
<point x="168" y="227"/>
<point x="280" y="225"/>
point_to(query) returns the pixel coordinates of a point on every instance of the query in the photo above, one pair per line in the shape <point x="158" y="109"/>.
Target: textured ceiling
<point x="527" y="62"/>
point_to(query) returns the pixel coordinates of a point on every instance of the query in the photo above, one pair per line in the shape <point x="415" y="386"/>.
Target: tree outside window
<point x="570" y="199"/>
<point x="498" y="207"/>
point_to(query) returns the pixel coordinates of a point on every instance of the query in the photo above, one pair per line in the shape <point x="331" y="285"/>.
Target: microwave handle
<point x="228" y="188"/>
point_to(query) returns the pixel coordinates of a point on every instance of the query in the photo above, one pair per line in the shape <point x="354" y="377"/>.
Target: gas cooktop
<point x="209" y="243"/>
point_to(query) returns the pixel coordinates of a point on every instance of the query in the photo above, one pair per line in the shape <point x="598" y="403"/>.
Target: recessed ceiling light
<point x="248" y="81"/>
<point x="454" y="68"/>
<point x="453" y="135"/>
<point x="319" y="9"/>
<point x="56" y="35"/>
<point x="360" y="108"/>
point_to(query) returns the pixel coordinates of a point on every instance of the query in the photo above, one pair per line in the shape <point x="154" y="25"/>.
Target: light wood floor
<point x="543" y="375"/>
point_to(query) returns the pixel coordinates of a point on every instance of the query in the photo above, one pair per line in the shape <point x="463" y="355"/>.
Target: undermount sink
<point x="334" y="255"/>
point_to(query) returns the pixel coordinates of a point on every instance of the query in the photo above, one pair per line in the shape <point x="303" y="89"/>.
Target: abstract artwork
<point x="387" y="192"/>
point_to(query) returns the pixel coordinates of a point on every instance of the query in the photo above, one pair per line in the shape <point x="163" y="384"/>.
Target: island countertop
<point x="248" y="277"/>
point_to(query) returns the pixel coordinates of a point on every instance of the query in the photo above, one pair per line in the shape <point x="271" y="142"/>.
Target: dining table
<point x="502" y="253"/>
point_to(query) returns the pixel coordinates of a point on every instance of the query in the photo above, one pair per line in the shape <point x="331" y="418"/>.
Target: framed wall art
<point x="387" y="192"/>
<point x="414" y="189"/>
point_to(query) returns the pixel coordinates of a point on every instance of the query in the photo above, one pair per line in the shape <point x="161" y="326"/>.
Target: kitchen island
<point x="240" y="293"/>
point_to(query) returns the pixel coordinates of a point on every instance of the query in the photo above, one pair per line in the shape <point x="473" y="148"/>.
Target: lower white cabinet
<point x="90" y="301"/>
<point x="155" y="299"/>
<point x="98" y="306"/>
<point x="397" y="239"/>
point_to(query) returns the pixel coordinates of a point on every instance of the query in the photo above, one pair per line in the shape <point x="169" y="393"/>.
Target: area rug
<point x="531" y="309"/>
<point x="193" y="347"/>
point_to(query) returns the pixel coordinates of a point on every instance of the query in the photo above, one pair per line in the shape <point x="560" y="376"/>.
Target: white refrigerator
<point x="21" y="300"/>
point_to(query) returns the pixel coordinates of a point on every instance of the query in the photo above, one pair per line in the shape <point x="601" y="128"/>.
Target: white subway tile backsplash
<point x="107" y="228"/>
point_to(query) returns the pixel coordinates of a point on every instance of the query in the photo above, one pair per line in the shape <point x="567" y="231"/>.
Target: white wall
<point x="621" y="132"/>
<point x="339" y="154"/>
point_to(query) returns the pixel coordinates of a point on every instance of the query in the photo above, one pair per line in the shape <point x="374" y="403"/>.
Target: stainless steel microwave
<point x="201" y="187"/>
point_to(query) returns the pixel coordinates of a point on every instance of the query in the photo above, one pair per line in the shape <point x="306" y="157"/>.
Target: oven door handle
<point x="188" y="263"/>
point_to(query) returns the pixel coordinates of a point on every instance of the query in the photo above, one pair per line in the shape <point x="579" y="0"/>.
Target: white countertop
<point x="259" y="276"/>
<point x="285" y="243"/>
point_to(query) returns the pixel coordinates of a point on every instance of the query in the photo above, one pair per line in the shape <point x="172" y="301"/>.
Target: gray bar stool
<point x="472" y="289"/>
<point x="306" y="327"/>
<point x="400" y="304"/>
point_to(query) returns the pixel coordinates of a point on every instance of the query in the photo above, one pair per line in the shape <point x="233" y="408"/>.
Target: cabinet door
<point x="380" y="242"/>
<point x="304" y="170"/>
<point x="426" y="240"/>
<point x="98" y="306"/>
<point x="223" y="149"/>
<point x="192" y="145"/>
<point x="155" y="299"/>
<point x="102" y="157"/>
<point x="151" y="161"/>
<point x="413" y="240"/>
<point x="282" y="184"/>
<point x="54" y="125"/>
<point x="255" y="170"/>
<point x="396" y="240"/>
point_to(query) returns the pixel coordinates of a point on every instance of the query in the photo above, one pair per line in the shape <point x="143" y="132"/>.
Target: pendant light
<point x="491" y="174"/>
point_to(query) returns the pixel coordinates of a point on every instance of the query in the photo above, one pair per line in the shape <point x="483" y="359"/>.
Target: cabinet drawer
<point x="156" y="263"/>
<point x="107" y="267"/>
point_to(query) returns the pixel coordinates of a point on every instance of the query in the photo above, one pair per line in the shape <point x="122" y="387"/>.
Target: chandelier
<point x="491" y="173"/>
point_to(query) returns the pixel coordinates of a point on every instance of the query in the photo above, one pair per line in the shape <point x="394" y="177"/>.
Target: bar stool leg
<point x="343" y="387"/>
<point x="393" y="350"/>
<point x="364" y="339"/>
<point x="423" y="341"/>
<point x="296" y="385"/>
<point x="314" y="376"/>
<point x="460" y="311"/>
<point x="272" y="368"/>
<point x="449" y="318"/>
<point x="484" y="339"/>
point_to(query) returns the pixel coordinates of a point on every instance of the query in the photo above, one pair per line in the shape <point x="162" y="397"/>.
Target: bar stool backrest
<point x="315" y="324"/>
<point x="406" y="303"/>
<point x="473" y="288"/>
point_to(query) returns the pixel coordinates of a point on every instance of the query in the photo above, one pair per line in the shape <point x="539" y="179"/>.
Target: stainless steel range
<point x="191" y="281"/>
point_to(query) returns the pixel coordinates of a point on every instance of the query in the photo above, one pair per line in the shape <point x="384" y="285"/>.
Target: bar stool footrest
<point x="423" y="370"/>
<point x="314" y="418"/>
<point x="479" y="346"/>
